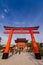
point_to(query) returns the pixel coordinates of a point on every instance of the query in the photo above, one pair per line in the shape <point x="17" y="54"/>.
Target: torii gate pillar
<point x="35" y="47"/>
<point x="6" y="51"/>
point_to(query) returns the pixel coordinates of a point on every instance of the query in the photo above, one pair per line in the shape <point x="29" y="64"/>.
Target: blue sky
<point x="21" y="13"/>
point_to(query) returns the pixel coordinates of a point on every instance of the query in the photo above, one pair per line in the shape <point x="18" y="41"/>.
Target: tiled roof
<point x="21" y="40"/>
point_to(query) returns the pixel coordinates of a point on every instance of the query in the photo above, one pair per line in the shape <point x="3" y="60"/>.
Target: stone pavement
<point x="21" y="59"/>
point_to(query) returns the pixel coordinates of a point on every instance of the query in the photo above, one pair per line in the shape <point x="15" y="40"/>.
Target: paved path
<point x="22" y="59"/>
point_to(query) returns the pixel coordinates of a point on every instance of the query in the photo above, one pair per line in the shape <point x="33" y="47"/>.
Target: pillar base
<point x="5" y="55"/>
<point x="37" y="56"/>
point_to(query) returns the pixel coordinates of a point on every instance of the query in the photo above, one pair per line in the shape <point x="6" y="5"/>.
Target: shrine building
<point x="21" y="43"/>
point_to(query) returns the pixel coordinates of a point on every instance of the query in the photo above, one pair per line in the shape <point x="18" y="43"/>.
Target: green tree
<point x="31" y="47"/>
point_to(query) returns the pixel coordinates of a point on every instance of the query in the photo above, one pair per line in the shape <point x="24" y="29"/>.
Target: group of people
<point x="15" y="51"/>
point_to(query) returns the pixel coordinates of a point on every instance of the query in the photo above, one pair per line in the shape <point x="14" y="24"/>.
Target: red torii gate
<point x="21" y="30"/>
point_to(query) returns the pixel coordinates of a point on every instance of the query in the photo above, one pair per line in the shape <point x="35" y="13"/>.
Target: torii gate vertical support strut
<point x="35" y="47"/>
<point x="6" y="50"/>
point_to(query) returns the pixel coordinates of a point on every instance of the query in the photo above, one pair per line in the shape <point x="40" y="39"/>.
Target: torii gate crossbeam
<point x="21" y="30"/>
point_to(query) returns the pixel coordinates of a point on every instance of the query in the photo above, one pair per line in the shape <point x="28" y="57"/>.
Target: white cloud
<point x="5" y="10"/>
<point x="1" y="24"/>
<point x="2" y="16"/>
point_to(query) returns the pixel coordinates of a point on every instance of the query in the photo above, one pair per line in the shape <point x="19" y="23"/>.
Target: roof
<point x="21" y="40"/>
